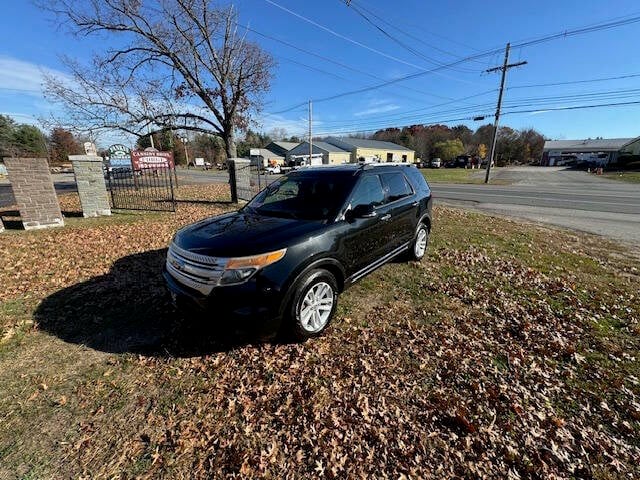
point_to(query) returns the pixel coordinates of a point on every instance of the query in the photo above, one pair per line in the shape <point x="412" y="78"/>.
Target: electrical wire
<point x="360" y="44"/>
<point x="574" y="82"/>
<point x="459" y="119"/>
<point x="421" y="29"/>
<point x="578" y="31"/>
<point x="397" y="40"/>
<point x="416" y="38"/>
<point x="335" y="62"/>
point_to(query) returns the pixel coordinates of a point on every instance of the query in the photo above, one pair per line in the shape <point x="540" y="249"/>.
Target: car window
<point x="304" y="196"/>
<point x="395" y="186"/>
<point x="368" y="192"/>
<point x="281" y="191"/>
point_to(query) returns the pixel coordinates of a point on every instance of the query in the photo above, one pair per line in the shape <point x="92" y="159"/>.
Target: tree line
<point x="24" y="140"/>
<point x="442" y="141"/>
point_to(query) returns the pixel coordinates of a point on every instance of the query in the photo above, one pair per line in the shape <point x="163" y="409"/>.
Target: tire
<point x="321" y="286"/>
<point x="420" y="243"/>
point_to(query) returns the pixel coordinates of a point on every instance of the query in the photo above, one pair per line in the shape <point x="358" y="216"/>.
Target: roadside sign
<point x="199" y="162"/>
<point x="143" y="159"/>
<point x="119" y="155"/>
<point x="90" y="149"/>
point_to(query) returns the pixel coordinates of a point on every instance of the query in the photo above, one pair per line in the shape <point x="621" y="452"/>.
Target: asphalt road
<point x="556" y="196"/>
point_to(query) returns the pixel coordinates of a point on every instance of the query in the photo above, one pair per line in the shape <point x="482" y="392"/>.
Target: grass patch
<point x="452" y="175"/>
<point x="517" y="341"/>
<point x="630" y="177"/>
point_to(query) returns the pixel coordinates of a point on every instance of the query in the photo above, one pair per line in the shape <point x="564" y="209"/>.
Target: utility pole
<point x="310" y="131"/>
<point x="506" y="66"/>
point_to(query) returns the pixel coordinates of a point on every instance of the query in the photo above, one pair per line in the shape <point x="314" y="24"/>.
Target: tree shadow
<point x="221" y="203"/>
<point x="129" y="310"/>
<point x="72" y="214"/>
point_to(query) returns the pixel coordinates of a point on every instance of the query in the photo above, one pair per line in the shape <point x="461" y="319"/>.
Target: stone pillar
<point x="32" y="187"/>
<point x="92" y="189"/>
<point x="240" y="179"/>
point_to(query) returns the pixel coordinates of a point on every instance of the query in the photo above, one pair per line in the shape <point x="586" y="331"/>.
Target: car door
<point x="401" y="209"/>
<point x="364" y="241"/>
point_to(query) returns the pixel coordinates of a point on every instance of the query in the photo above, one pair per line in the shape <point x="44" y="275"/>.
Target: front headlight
<point x="240" y="269"/>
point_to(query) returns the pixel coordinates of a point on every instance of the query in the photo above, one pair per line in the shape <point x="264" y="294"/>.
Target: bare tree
<point x="179" y="64"/>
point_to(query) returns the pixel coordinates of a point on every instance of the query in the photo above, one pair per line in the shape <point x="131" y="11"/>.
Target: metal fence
<point x="250" y="179"/>
<point x="148" y="189"/>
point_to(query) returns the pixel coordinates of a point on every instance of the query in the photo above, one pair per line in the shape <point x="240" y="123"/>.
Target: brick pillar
<point x="32" y="187"/>
<point x="92" y="189"/>
<point x="240" y="179"/>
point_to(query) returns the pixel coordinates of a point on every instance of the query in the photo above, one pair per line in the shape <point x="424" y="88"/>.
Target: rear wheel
<point x="420" y="242"/>
<point x="314" y="304"/>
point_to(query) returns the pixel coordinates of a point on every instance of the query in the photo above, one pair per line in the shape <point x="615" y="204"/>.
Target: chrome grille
<point x="200" y="272"/>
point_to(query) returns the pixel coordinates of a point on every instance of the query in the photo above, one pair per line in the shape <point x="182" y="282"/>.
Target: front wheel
<point x="420" y="243"/>
<point x="314" y="304"/>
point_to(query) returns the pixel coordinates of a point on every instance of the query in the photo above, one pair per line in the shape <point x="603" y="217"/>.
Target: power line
<point x="396" y="40"/>
<point x="421" y="29"/>
<point x="590" y="28"/>
<point x="356" y="42"/>
<point x="565" y="34"/>
<point x="574" y="82"/>
<point x="510" y="112"/>
<point x="426" y="108"/>
<point x="330" y="60"/>
<point x="575" y="107"/>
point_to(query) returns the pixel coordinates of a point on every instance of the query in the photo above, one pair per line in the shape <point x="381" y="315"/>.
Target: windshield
<point x="305" y="195"/>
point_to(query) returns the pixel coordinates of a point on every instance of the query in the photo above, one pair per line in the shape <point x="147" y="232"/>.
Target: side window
<point x="395" y="186"/>
<point x="368" y="192"/>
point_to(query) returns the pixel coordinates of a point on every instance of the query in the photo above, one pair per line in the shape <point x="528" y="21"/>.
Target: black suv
<point x="285" y="257"/>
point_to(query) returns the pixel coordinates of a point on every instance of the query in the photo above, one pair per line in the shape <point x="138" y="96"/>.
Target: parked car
<point x="436" y="163"/>
<point x="283" y="259"/>
<point x="273" y="170"/>
<point x="461" y="161"/>
<point x="118" y="172"/>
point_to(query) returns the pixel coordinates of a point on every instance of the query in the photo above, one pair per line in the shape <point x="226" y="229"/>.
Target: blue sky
<point x="440" y="31"/>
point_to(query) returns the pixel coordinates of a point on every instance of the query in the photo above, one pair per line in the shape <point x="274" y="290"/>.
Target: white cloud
<point x="22" y="118"/>
<point x="296" y="126"/>
<point x="23" y="77"/>
<point x="377" y="109"/>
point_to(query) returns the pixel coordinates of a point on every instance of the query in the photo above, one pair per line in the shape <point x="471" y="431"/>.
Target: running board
<point x="377" y="264"/>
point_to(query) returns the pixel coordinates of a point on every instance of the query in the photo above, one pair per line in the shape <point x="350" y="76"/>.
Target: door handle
<point x="385" y="217"/>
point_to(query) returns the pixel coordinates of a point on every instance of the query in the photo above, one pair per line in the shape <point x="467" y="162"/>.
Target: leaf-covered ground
<point x="510" y="351"/>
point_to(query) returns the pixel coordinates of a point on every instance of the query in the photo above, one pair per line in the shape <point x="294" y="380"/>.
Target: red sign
<point x="148" y="159"/>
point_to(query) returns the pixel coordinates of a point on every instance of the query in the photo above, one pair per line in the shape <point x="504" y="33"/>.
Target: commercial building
<point x="323" y="154"/>
<point x="363" y="149"/>
<point x="264" y="157"/>
<point x="281" y="148"/>
<point x="598" y="151"/>
<point x="629" y="154"/>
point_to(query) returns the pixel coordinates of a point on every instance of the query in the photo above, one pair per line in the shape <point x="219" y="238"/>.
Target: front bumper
<point x="254" y="304"/>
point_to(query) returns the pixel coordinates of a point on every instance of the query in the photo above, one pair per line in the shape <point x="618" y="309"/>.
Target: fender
<point x="330" y="262"/>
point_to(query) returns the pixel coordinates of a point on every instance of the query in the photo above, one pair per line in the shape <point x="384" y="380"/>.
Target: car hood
<point x="241" y="234"/>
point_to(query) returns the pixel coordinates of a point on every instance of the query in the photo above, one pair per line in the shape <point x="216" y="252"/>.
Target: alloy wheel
<point x="316" y="306"/>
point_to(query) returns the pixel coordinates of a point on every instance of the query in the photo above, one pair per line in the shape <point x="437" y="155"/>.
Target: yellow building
<point x="363" y="149"/>
<point x="323" y="154"/>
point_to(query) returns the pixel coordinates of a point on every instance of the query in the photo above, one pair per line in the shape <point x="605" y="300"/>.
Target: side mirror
<point x="360" y="211"/>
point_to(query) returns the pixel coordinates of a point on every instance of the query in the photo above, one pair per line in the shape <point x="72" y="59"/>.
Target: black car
<point x="283" y="259"/>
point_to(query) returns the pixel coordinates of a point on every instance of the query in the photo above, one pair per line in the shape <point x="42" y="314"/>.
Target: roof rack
<point x="385" y="164"/>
